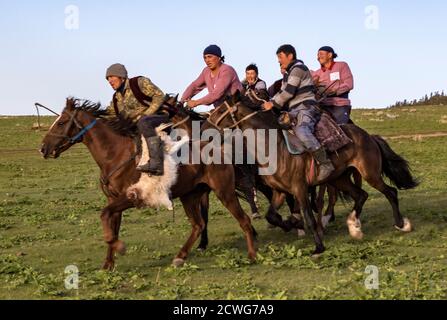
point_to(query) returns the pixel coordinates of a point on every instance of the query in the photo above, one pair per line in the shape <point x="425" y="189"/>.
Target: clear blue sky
<point x="43" y="61"/>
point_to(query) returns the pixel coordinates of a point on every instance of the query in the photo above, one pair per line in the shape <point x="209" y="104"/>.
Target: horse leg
<point x="191" y="204"/>
<point x="320" y="205"/>
<point x="303" y="198"/>
<point x="204" y="210"/>
<point x="329" y="215"/>
<point x="111" y="222"/>
<point x="273" y="217"/>
<point x="295" y="211"/>
<point x="400" y="223"/>
<point x="244" y="182"/>
<point x="231" y="202"/>
<point x="344" y="183"/>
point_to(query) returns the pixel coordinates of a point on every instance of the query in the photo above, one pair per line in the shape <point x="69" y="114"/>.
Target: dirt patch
<point x="418" y="137"/>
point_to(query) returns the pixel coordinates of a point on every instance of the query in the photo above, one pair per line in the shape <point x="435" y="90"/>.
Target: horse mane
<point x="125" y="127"/>
<point x="88" y="106"/>
<point x="120" y="125"/>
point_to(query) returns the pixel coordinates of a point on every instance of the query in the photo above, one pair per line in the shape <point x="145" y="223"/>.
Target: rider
<point x="252" y="80"/>
<point x="336" y="79"/>
<point x="139" y="100"/>
<point x="220" y="79"/>
<point x="297" y="95"/>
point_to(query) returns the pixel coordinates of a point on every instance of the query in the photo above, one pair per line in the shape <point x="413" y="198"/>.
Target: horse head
<point x="70" y="127"/>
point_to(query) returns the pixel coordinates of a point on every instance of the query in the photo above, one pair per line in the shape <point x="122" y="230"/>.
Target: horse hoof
<point x="315" y="256"/>
<point x="108" y="266"/>
<point x="301" y="233"/>
<point x="354" y="226"/>
<point x="407" y="226"/>
<point x="252" y="257"/>
<point x="256" y="216"/>
<point x="119" y="247"/>
<point x="201" y="249"/>
<point x="317" y="253"/>
<point x="178" y="262"/>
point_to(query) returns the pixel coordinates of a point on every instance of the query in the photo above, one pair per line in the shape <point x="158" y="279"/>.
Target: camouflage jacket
<point x="128" y="105"/>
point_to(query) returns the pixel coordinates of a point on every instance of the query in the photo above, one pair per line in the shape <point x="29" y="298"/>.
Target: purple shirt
<point x="226" y="82"/>
<point x="337" y="71"/>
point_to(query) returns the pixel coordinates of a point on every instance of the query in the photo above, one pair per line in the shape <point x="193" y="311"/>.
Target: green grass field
<point x="49" y="219"/>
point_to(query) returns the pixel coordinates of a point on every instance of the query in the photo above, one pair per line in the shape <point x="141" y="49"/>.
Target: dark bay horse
<point x="370" y="155"/>
<point x="243" y="173"/>
<point x="113" y="147"/>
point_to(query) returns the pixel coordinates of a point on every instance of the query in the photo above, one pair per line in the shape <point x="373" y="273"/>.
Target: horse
<point x="370" y="155"/>
<point x="246" y="178"/>
<point x="113" y="144"/>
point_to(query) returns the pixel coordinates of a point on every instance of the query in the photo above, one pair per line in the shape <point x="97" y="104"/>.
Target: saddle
<point x="330" y="135"/>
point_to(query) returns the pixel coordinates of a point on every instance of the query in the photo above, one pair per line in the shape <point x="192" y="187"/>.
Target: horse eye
<point x="61" y="123"/>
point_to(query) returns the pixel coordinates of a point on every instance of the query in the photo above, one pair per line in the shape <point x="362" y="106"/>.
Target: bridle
<point x="231" y="110"/>
<point x="78" y="136"/>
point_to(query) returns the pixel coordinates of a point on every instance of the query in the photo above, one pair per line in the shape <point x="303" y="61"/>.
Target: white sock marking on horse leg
<point x="325" y="221"/>
<point x="407" y="226"/>
<point x="354" y="226"/>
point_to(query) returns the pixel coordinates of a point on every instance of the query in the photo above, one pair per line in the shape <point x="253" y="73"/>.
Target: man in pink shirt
<point x="336" y="81"/>
<point x="220" y="79"/>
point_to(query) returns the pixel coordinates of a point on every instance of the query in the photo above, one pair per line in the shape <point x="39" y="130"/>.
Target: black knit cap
<point x="214" y="50"/>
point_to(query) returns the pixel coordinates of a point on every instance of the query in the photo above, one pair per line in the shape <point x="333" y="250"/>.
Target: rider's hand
<point x="192" y="104"/>
<point x="267" y="106"/>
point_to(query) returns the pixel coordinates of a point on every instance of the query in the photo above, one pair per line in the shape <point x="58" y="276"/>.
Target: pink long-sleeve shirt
<point x="338" y="71"/>
<point x="226" y="82"/>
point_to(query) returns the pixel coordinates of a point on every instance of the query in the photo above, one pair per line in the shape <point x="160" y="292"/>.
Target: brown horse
<point x="113" y="146"/>
<point x="370" y="155"/>
<point x="246" y="177"/>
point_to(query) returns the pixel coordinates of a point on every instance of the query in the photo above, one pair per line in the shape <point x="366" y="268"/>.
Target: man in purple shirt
<point x="335" y="78"/>
<point x="220" y="79"/>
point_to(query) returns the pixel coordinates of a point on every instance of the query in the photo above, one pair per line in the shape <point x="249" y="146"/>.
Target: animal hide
<point x="154" y="191"/>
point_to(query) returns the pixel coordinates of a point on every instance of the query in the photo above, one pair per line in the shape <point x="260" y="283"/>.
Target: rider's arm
<point x="346" y="79"/>
<point x="222" y="84"/>
<point x="151" y="90"/>
<point x="293" y="82"/>
<point x="194" y="88"/>
<point x="111" y="110"/>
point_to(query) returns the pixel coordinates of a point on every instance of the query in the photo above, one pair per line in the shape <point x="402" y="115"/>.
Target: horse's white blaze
<point x="154" y="191"/>
<point x="407" y="226"/>
<point x="54" y="123"/>
<point x="354" y="226"/>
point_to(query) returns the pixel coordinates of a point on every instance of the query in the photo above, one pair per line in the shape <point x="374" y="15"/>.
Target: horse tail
<point x="395" y="167"/>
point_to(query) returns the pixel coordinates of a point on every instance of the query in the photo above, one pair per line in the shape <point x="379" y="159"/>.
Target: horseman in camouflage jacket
<point x="139" y="100"/>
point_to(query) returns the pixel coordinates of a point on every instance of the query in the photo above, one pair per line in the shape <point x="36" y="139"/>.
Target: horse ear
<point x="176" y="97"/>
<point x="69" y="104"/>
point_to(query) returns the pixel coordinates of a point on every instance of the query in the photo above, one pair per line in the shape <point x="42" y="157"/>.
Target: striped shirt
<point x="297" y="87"/>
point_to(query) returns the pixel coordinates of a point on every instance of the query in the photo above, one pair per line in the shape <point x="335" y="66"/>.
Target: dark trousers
<point x="147" y="124"/>
<point x="340" y="114"/>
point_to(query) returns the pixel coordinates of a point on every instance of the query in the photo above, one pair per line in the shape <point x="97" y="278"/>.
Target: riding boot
<point x="325" y="164"/>
<point x="156" y="153"/>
